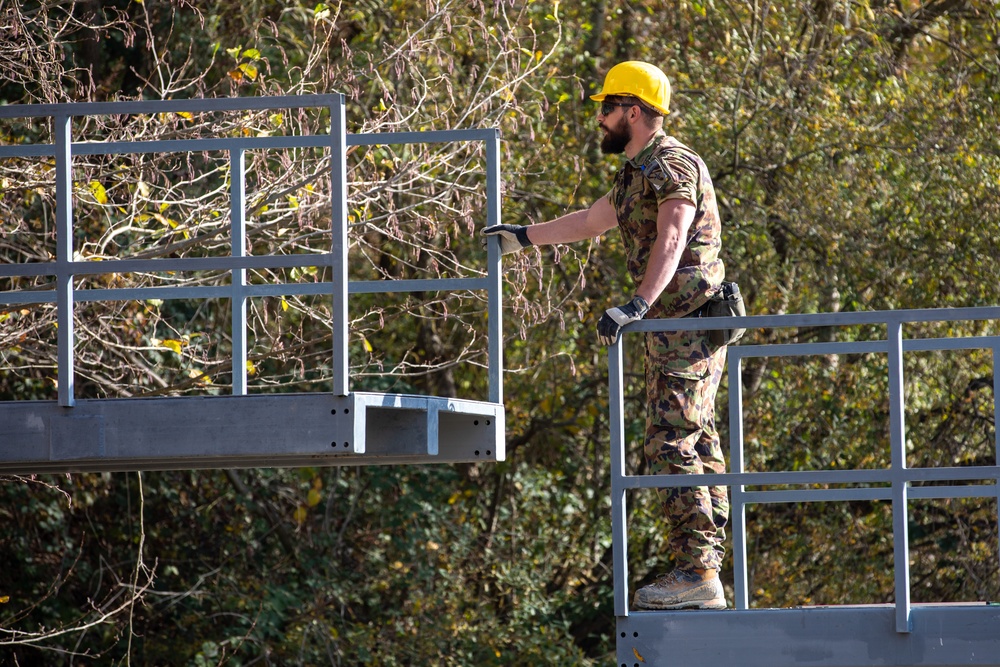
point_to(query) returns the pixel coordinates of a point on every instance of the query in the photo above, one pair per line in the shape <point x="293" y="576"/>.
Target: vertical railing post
<point x="900" y="486"/>
<point x="64" y="258"/>
<point x="737" y="464"/>
<point x="494" y="272"/>
<point x="619" y="528"/>
<point x="238" y="239"/>
<point x="996" y="431"/>
<point x="339" y="246"/>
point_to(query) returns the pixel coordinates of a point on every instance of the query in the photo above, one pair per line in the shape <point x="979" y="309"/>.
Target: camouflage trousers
<point x="683" y="371"/>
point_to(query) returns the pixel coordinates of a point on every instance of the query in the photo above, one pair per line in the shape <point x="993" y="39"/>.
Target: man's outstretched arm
<point x="576" y="226"/>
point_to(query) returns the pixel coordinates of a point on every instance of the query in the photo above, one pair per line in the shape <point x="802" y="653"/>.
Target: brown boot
<point x="682" y="590"/>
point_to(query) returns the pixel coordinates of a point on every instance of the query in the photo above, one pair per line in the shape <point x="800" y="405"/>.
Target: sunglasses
<point x="608" y="107"/>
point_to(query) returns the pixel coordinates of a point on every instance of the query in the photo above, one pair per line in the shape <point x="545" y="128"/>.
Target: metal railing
<point x="64" y="268"/>
<point x="897" y="478"/>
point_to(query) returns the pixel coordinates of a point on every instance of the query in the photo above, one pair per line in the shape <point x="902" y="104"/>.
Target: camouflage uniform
<point x="683" y="369"/>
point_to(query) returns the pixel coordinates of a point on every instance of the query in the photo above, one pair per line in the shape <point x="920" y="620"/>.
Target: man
<point x="663" y="203"/>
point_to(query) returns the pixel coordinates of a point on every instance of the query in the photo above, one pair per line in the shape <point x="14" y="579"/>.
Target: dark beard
<point x="617" y="138"/>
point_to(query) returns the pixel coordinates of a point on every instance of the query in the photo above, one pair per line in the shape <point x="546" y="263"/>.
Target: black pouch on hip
<point x="727" y="302"/>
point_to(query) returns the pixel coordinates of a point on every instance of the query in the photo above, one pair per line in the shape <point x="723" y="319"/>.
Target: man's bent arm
<point x="576" y="226"/>
<point x="673" y="221"/>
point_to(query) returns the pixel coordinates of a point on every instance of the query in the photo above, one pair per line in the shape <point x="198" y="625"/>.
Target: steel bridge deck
<point x="246" y="431"/>
<point x="943" y="635"/>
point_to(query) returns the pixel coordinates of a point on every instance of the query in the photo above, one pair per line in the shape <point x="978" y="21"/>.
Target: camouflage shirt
<point x="667" y="169"/>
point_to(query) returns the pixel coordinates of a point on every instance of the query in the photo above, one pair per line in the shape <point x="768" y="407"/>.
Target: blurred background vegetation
<point x="854" y="150"/>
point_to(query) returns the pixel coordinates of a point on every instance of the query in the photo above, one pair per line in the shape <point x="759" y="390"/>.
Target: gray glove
<point x="512" y="237"/>
<point x="615" y="318"/>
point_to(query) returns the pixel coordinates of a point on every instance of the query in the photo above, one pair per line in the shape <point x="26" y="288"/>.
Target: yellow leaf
<point x="234" y="52"/>
<point x="100" y="194"/>
<point x="4" y="599"/>
<point x="293" y="201"/>
<point x="313" y="498"/>
<point x="249" y="69"/>
<point x="253" y="54"/>
<point x="368" y="346"/>
<point x="186" y="115"/>
<point x="276" y="119"/>
<point x="236" y="75"/>
<point x="199" y="376"/>
<point x="251" y="367"/>
<point x="284" y="304"/>
<point x="172" y="344"/>
<point x="300" y="514"/>
<point x="168" y="222"/>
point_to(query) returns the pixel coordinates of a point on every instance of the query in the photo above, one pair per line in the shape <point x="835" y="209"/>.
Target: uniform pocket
<point x="683" y="354"/>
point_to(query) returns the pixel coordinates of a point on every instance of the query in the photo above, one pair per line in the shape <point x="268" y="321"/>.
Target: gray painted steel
<point x="339" y="247"/>
<point x="165" y="106"/>
<point x="847" y="636"/>
<point x="246" y="431"/>
<point x="897" y="634"/>
<point x="336" y="428"/>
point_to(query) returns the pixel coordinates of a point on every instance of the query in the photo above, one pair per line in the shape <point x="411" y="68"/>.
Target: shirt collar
<point x="641" y="156"/>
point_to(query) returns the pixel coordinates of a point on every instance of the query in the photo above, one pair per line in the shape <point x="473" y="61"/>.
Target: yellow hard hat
<point x="637" y="79"/>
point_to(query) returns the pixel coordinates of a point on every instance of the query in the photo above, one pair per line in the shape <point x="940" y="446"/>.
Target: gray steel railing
<point x="64" y="268"/>
<point x="897" y="477"/>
